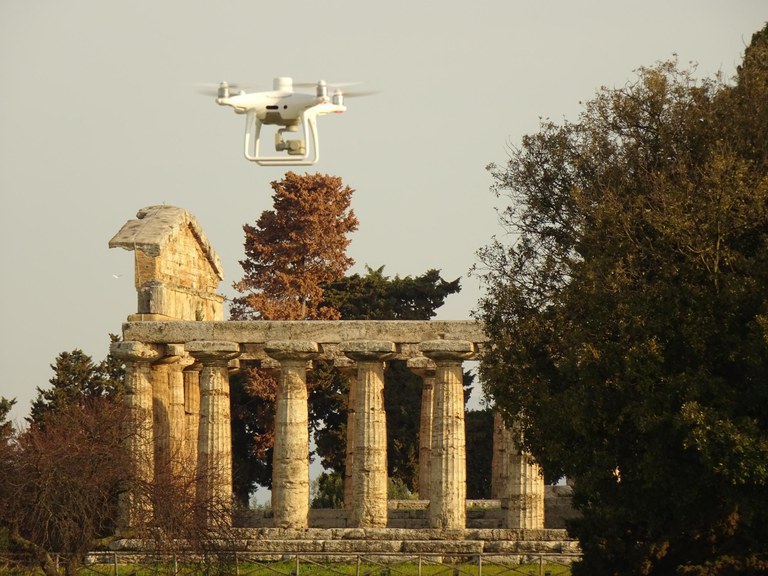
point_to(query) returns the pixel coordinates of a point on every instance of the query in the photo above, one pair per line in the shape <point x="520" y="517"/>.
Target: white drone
<point x="287" y="109"/>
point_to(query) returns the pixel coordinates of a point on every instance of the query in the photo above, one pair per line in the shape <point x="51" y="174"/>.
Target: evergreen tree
<point x="627" y="320"/>
<point x="76" y="379"/>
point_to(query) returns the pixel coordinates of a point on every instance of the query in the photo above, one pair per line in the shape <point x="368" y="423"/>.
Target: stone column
<point x="176" y="359"/>
<point x="290" y="459"/>
<point x="349" y="369"/>
<point x="135" y="503"/>
<point x="523" y="495"/>
<point x="448" y="483"/>
<point x="425" y="368"/>
<point x="369" y="474"/>
<point x="191" y="377"/>
<point x="214" y="448"/>
<point x="161" y="421"/>
<point x="499" y="459"/>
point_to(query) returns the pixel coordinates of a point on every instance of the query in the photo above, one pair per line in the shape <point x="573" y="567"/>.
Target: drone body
<point x="286" y="109"/>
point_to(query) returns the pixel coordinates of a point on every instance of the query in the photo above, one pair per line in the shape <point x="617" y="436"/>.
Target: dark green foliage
<point x="6" y="427"/>
<point x="402" y="402"/>
<point x="252" y="433"/>
<point x="479" y="437"/>
<point x="328" y="491"/>
<point x="77" y="378"/>
<point x="629" y="318"/>
<point x="378" y="297"/>
<point x="328" y="390"/>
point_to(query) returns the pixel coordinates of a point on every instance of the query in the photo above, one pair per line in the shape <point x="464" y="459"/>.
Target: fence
<point x="239" y="563"/>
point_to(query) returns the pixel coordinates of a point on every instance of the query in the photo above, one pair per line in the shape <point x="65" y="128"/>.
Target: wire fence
<point x="239" y="563"/>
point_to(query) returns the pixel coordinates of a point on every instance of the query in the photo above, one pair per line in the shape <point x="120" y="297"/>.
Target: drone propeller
<point x="359" y="93"/>
<point x="211" y="89"/>
<point x="330" y="85"/>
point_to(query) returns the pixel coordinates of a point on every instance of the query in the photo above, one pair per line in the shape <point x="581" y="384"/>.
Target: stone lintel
<point x="401" y="332"/>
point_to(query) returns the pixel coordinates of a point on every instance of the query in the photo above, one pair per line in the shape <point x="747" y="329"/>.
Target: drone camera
<point x="293" y="147"/>
<point x="296" y="147"/>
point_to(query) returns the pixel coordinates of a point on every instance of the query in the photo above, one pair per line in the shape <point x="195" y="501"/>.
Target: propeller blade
<point x="359" y="93"/>
<point x="330" y="85"/>
<point x="211" y="89"/>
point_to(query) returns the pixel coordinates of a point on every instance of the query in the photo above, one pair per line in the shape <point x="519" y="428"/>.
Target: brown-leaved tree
<point x="294" y="249"/>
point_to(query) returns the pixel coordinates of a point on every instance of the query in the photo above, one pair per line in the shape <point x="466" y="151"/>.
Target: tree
<point x="479" y="427"/>
<point x="6" y="458"/>
<point x="61" y="482"/>
<point x="294" y="249"/>
<point x="76" y="379"/>
<point x="63" y="473"/>
<point x="628" y="318"/>
<point x="379" y="297"/>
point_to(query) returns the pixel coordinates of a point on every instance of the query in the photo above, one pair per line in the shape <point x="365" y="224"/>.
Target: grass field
<point x="308" y="567"/>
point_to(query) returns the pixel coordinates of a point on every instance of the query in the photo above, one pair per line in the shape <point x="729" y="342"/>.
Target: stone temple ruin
<point x="179" y="352"/>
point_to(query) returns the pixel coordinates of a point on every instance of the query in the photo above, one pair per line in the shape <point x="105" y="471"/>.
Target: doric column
<point x="135" y="504"/>
<point x="523" y="495"/>
<point x="425" y="369"/>
<point x="176" y="414"/>
<point x="369" y="474"/>
<point x="161" y="421"/>
<point x="349" y="369"/>
<point x="191" y="377"/>
<point x="214" y="448"/>
<point x="448" y="483"/>
<point x="499" y="459"/>
<point x="290" y="460"/>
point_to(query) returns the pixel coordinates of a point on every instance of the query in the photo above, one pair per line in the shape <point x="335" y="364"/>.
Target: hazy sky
<point x="99" y="117"/>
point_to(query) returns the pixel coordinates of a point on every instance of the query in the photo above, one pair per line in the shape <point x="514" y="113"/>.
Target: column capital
<point x="133" y="351"/>
<point x="174" y="354"/>
<point x="346" y="366"/>
<point x="213" y="352"/>
<point x="422" y="366"/>
<point x="368" y="350"/>
<point x="448" y="350"/>
<point x="291" y="350"/>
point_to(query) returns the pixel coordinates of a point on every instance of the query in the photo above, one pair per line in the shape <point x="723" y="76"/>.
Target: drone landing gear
<point x="298" y="155"/>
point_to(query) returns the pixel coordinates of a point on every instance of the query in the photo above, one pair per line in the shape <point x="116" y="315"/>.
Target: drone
<point x="286" y="109"/>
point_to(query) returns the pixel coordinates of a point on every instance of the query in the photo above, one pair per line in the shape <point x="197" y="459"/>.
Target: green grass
<point x="307" y="567"/>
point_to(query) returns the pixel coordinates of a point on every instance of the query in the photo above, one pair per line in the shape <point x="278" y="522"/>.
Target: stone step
<point x="395" y="545"/>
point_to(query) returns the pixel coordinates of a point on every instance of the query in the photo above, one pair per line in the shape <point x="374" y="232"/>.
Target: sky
<point x="100" y="116"/>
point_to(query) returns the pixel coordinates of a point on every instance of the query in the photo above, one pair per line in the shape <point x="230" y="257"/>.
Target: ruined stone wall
<point x="177" y="272"/>
<point x="179" y="283"/>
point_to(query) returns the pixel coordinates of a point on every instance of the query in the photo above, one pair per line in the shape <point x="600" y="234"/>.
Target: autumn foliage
<point x="294" y="249"/>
